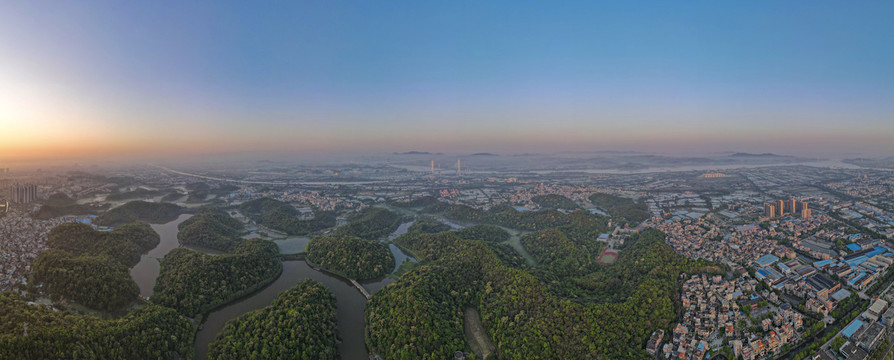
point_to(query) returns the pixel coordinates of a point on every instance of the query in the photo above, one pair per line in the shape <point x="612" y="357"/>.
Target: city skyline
<point x="130" y="79"/>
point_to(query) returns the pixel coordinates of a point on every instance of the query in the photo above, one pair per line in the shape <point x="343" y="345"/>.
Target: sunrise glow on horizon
<point x="135" y="78"/>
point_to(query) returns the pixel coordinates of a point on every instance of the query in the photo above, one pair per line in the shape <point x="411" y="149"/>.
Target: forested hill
<point x="372" y="223"/>
<point x="521" y="220"/>
<point x="194" y="283"/>
<point x="211" y="228"/>
<point x="620" y="207"/>
<point x="280" y="216"/>
<point x="420" y="316"/>
<point x="554" y="201"/>
<point x="350" y="256"/>
<point x="91" y="267"/>
<point x="300" y="324"/>
<point x="134" y="211"/>
<point x="153" y="332"/>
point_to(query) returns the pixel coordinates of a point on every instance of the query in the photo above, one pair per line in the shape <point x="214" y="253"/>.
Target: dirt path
<point x="476" y="337"/>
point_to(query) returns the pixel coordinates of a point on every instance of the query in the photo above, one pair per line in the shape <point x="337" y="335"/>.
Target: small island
<point x="350" y="256"/>
<point x="211" y="228"/>
<point x="194" y="283"/>
<point x="301" y="324"/>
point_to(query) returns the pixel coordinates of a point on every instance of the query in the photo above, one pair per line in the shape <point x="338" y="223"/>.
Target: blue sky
<point x="448" y="76"/>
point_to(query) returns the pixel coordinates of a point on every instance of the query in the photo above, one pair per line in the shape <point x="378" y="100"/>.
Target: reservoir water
<point x="292" y="244"/>
<point x="145" y="272"/>
<point x="351" y="303"/>
<point x="351" y="309"/>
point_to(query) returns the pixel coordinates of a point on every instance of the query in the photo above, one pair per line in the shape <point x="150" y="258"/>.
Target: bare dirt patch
<point x="476" y="337"/>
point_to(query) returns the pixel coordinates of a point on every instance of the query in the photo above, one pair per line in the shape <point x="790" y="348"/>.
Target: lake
<point x="351" y="303"/>
<point x="351" y="309"/>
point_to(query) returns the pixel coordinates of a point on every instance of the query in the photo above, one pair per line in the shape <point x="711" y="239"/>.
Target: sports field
<point x="607" y="258"/>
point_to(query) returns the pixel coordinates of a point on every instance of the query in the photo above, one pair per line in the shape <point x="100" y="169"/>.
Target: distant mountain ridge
<point x="417" y="153"/>
<point x="741" y="154"/>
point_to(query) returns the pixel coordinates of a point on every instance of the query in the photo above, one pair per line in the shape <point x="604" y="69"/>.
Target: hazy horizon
<point x="159" y="80"/>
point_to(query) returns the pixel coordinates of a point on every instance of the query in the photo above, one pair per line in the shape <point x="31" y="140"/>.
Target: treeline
<point x="91" y="267"/>
<point x="280" y="216"/>
<point x="134" y="211"/>
<point x="507" y="216"/>
<point x="350" y="256"/>
<point x="48" y="211"/>
<point x="212" y="228"/>
<point x="138" y="193"/>
<point x="421" y="315"/>
<point x="621" y="207"/>
<point x="60" y="204"/>
<point x="416" y="202"/>
<point x="300" y="324"/>
<point x="194" y="283"/>
<point x="428" y="226"/>
<point x="153" y="332"/>
<point x="372" y="223"/>
<point x="555" y="201"/>
<point x="493" y="237"/>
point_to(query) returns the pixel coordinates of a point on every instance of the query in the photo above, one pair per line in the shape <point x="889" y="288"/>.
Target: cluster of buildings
<point x="712" y="312"/>
<point x="523" y="195"/>
<point x="864" y="335"/>
<point x="711" y="239"/>
<point x="23" y="238"/>
<point x="802" y="280"/>
<point x="791" y="206"/>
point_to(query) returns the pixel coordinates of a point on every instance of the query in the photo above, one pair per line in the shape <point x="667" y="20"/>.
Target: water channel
<point x="145" y="272"/>
<point x="351" y="303"/>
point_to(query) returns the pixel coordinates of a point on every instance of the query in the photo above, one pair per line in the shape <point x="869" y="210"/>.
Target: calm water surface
<point x="351" y="309"/>
<point x="146" y="271"/>
<point x="351" y="303"/>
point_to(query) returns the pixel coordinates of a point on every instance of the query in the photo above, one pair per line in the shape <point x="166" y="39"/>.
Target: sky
<point x="99" y="78"/>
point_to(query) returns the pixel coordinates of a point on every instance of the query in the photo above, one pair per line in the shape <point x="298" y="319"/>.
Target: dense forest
<point x="280" y="216"/>
<point x="97" y="282"/>
<point x="372" y="223"/>
<point x="91" y="267"/>
<point x="421" y="315"/>
<point x="211" y="228"/>
<point x="194" y="283"/>
<point x="428" y="226"/>
<point x="153" y="332"/>
<point x="555" y="201"/>
<point x="350" y="256"/>
<point x="511" y="218"/>
<point x="620" y="207"/>
<point x="124" y="244"/>
<point x="300" y="324"/>
<point x="561" y="255"/>
<point x="134" y="211"/>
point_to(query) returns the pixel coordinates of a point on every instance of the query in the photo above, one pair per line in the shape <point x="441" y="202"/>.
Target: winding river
<point x="351" y="307"/>
<point x="351" y="303"/>
<point x="145" y="272"/>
